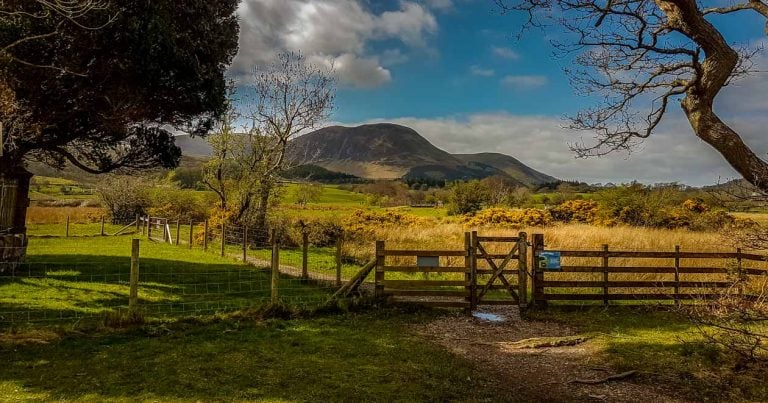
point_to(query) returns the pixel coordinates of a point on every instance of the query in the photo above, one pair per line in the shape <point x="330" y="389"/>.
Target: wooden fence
<point x="619" y="275"/>
<point x="487" y="277"/>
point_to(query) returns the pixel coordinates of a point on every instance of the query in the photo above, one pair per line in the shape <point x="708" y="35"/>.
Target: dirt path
<point x="536" y="374"/>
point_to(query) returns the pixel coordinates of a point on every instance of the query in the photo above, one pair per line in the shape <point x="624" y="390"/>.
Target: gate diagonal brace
<point x="497" y="271"/>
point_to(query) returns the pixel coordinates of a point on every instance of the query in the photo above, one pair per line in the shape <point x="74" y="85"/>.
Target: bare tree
<point x="284" y="99"/>
<point x="651" y="52"/>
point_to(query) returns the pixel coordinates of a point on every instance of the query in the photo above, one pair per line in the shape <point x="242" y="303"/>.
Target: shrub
<point x="511" y="218"/>
<point x="364" y="223"/>
<point x="468" y="197"/>
<point x="174" y="203"/>
<point x="125" y="197"/>
<point x="580" y="211"/>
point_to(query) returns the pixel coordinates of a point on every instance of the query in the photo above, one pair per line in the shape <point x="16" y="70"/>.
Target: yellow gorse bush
<point x="509" y="218"/>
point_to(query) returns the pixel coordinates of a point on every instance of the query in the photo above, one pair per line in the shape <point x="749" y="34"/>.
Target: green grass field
<point x="66" y="278"/>
<point x="349" y="357"/>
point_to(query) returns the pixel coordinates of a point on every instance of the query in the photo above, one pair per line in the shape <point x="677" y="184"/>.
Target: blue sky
<point x="455" y="71"/>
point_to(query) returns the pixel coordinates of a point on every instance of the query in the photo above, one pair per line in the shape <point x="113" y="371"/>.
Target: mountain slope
<point x="509" y="165"/>
<point x="389" y="151"/>
<point x="378" y="151"/>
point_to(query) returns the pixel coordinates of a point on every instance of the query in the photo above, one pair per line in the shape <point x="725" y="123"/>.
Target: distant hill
<point x="193" y="146"/>
<point x="389" y="151"/>
<point x="509" y="165"/>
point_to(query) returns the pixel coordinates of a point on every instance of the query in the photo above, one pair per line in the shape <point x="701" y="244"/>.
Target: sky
<point x="457" y="72"/>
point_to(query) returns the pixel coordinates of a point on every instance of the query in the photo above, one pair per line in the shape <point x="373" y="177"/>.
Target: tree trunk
<point x="708" y="127"/>
<point x="262" y="232"/>
<point x="14" y="199"/>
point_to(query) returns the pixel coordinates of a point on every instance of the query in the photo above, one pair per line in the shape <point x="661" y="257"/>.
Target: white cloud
<point x="524" y="82"/>
<point x="356" y="71"/>
<point x="505" y="53"/>
<point x="337" y="30"/>
<point x="476" y="70"/>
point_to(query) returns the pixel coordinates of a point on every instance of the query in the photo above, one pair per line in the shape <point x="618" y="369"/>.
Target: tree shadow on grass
<point x="347" y="358"/>
<point x="81" y="285"/>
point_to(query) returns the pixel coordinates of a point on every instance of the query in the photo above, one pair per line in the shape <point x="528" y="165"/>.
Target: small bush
<point x="510" y="218"/>
<point x="579" y="211"/>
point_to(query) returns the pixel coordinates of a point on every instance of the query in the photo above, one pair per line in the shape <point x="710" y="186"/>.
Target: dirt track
<point x="536" y="374"/>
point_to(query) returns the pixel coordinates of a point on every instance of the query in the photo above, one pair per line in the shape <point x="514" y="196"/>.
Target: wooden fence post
<point x="740" y="272"/>
<point x="677" y="274"/>
<point x="102" y="225"/>
<point x="133" y="296"/>
<point x="522" y="269"/>
<point x="138" y="223"/>
<point x="275" y="285"/>
<point x="605" y="274"/>
<point x="245" y="244"/>
<point x="178" y="231"/>
<point x="66" y="228"/>
<point x="468" y="269"/>
<point x="538" y="273"/>
<point x="473" y="269"/>
<point x="379" y="278"/>
<point x="191" y="232"/>
<point x="149" y="227"/>
<point x="205" y="235"/>
<point x="223" y="238"/>
<point x="339" y="244"/>
<point x="304" y="254"/>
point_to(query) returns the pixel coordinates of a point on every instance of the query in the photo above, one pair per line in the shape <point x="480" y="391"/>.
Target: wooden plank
<point x="636" y="284"/>
<point x="648" y="254"/>
<point x="395" y="252"/>
<point x="497" y="239"/>
<point x="424" y="269"/>
<point x="625" y="297"/>
<point x="753" y="256"/>
<point x="639" y="269"/>
<point x="756" y="272"/>
<point x="496" y="256"/>
<point x="435" y="304"/>
<point x="425" y="293"/>
<point x="423" y="283"/>
<point x="497" y="302"/>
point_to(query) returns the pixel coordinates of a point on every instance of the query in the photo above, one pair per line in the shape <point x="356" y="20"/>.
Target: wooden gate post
<point x="339" y="243"/>
<point x="538" y="273"/>
<point x="191" y="231"/>
<point x="605" y="274"/>
<point x="102" y="225"/>
<point x="304" y="254"/>
<point x="149" y="227"/>
<point x="66" y="229"/>
<point x="468" y="277"/>
<point x="677" y="274"/>
<point x="275" y="285"/>
<point x="473" y="270"/>
<point x="178" y="231"/>
<point x="522" y="269"/>
<point x="379" y="278"/>
<point x="133" y="295"/>
<point x="138" y="222"/>
<point x="205" y="235"/>
<point x="223" y="238"/>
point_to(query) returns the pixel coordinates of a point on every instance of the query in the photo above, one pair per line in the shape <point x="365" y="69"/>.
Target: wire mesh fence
<point x="70" y="279"/>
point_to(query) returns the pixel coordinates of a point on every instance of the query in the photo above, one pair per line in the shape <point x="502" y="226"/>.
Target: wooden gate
<point x="488" y="271"/>
<point x="499" y="267"/>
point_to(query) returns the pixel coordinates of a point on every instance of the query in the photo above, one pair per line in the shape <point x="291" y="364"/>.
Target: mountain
<point x="509" y="165"/>
<point x="194" y="146"/>
<point x="390" y="151"/>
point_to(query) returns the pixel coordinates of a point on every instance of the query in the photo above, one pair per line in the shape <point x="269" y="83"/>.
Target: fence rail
<point x="655" y="275"/>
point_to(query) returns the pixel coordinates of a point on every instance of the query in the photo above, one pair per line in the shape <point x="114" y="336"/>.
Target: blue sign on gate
<point x="549" y="260"/>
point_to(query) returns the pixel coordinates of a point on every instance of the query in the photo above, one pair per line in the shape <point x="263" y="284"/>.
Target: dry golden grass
<point x="58" y="215"/>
